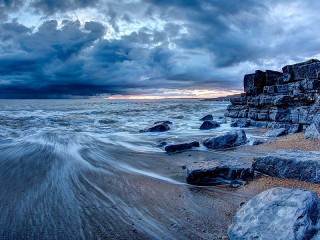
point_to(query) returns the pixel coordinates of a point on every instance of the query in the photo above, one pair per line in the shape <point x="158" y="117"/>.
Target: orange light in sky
<point x="165" y="94"/>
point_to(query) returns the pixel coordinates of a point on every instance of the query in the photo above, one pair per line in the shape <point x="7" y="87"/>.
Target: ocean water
<point x="80" y="169"/>
<point x="114" y="122"/>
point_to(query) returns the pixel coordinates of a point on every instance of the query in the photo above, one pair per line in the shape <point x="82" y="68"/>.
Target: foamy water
<point x="80" y="169"/>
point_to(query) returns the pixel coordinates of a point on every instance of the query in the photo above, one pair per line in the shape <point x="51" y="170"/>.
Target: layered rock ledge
<point x="290" y="164"/>
<point x="287" y="99"/>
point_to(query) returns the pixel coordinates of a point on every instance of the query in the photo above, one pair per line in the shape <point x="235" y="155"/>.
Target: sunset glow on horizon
<point x="177" y="94"/>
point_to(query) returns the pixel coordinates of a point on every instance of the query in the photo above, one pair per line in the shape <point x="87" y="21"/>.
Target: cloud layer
<point x="72" y="48"/>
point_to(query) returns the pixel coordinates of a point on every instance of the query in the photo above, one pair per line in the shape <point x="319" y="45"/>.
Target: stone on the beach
<point x="181" y="147"/>
<point x="291" y="164"/>
<point x="277" y="213"/>
<point x="258" y="142"/>
<point x="163" y="122"/>
<point x="215" y="173"/>
<point x="276" y="132"/>
<point x="207" y="117"/>
<point x="206" y="125"/>
<point x="230" y="139"/>
<point x="162" y="127"/>
<point x="313" y="131"/>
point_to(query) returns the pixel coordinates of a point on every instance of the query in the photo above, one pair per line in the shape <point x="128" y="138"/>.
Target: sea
<point x="81" y="169"/>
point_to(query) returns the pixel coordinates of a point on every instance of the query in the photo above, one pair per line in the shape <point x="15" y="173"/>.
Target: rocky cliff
<point x="287" y="99"/>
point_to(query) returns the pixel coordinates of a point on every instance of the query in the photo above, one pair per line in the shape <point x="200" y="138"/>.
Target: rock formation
<point x="209" y="124"/>
<point x="277" y="213"/>
<point x="181" y="147"/>
<point x="290" y="164"/>
<point x="287" y="99"/>
<point x="212" y="173"/>
<point x="228" y="140"/>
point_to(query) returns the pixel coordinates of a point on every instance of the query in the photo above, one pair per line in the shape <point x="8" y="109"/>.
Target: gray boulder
<point x="214" y="173"/>
<point x="276" y="132"/>
<point x="181" y="147"/>
<point x="230" y="139"/>
<point x="162" y="127"/>
<point x="292" y="164"/>
<point x="313" y="131"/>
<point x="207" y="117"/>
<point x="278" y="213"/>
<point x="206" y="125"/>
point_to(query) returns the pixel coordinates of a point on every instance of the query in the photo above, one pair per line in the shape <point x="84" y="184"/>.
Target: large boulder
<point x="181" y="147"/>
<point x="214" y="173"/>
<point x="208" y="117"/>
<point x="206" y="125"/>
<point x="278" y="213"/>
<point x="292" y="164"/>
<point x="230" y="139"/>
<point x="162" y="127"/>
<point x="313" y="131"/>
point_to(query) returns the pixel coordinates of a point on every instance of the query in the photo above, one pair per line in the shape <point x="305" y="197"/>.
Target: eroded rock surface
<point x="287" y="99"/>
<point x="214" y="173"/>
<point x="292" y="164"/>
<point x="228" y="140"/>
<point x="278" y="213"/>
<point x="207" y="125"/>
<point x="181" y="147"/>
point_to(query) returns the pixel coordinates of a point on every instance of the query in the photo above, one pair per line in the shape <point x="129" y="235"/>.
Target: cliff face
<point x="287" y="99"/>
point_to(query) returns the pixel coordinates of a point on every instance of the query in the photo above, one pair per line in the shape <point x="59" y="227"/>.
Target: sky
<point x="148" y="48"/>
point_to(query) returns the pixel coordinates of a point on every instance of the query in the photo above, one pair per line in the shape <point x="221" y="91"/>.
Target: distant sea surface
<point x="71" y="169"/>
<point x="114" y="122"/>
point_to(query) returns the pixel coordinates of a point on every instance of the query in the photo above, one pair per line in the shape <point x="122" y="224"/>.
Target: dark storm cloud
<point x="54" y="6"/>
<point x="150" y="45"/>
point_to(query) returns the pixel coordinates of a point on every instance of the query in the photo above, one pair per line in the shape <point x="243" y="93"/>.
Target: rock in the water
<point x="230" y="139"/>
<point x="313" y="131"/>
<point x="292" y="164"/>
<point x="163" y="122"/>
<point x="234" y="124"/>
<point x="162" y="144"/>
<point x="208" y="117"/>
<point x="277" y="213"/>
<point x="157" y="128"/>
<point x="206" y="125"/>
<point x="181" y="147"/>
<point x="214" y="173"/>
<point x="276" y="132"/>
<point x="107" y="121"/>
